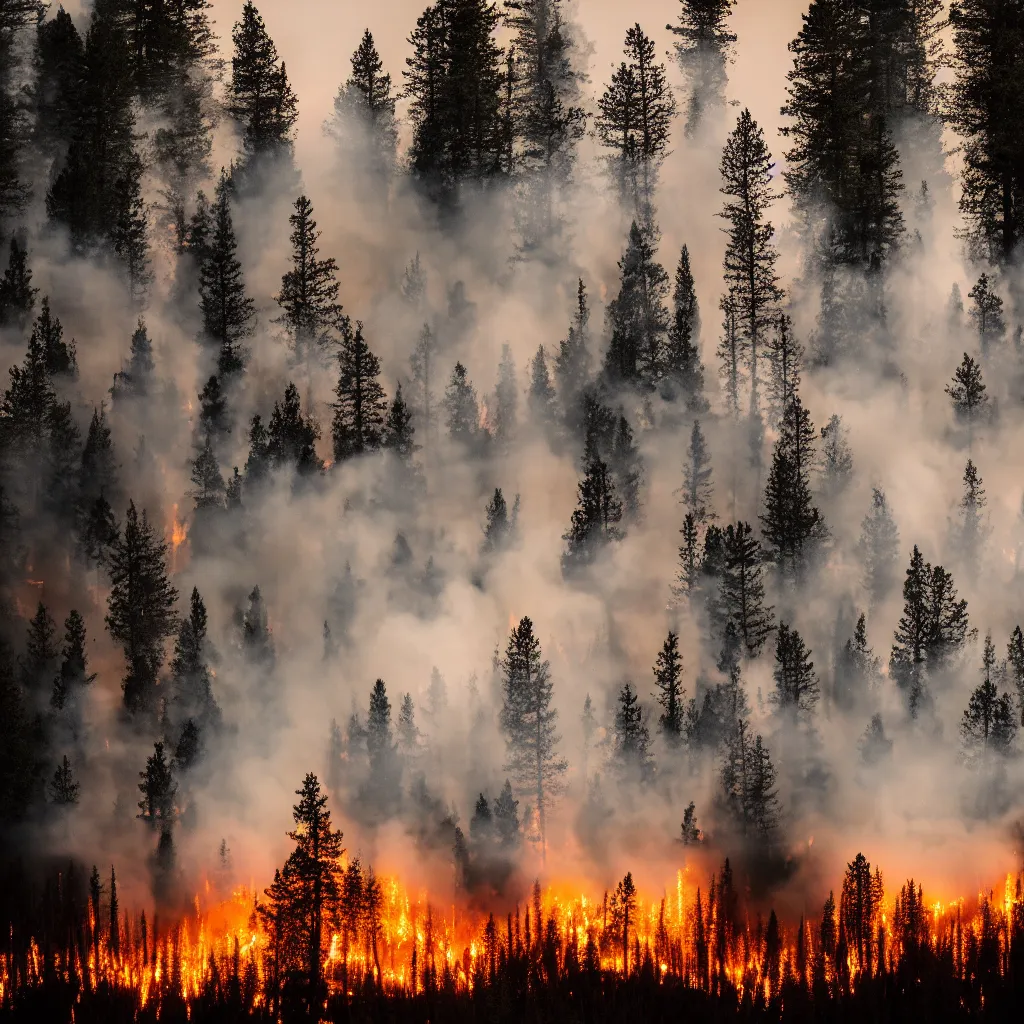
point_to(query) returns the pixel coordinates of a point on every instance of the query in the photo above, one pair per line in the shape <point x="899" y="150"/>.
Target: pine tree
<point x="399" y="432"/>
<point x="683" y="370"/>
<point x="789" y="520"/>
<point x="748" y="782"/>
<point x="307" y="895"/>
<point x="192" y="697"/>
<point x="260" y="98"/>
<point x="158" y="790"/>
<point x="972" y="528"/>
<point x="631" y="754"/>
<point x="634" y="120"/>
<point x="785" y="360"/>
<point x="668" y="677"/>
<point x="857" y="670"/>
<point x="414" y="283"/>
<point x="989" y="724"/>
<point x="506" y="398"/>
<point x="750" y="254"/>
<point x="291" y="437"/>
<point x="879" y="548"/>
<point x="214" y="418"/>
<point x="528" y="721"/>
<point x="135" y="379"/>
<point x="704" y="49"/>
<point x="689" y="574"/>
<point x="984" y="109"/>
<point x="627" y="469"/>
<point x="364" y="112"/>
<point x="1015" y="666"/>
<point x="454" y="81"/>
<point x="309" y="291"/>
<point x="741" y="593"/>
<point x="421" y="364"/>
<point x="796" y="685"/>
<point x="18" y="753"/>
<point x="595" y="519"/>
<point x="462" y="414"/>
<point x="257" y="641"/>
<point x="63" y="786"/>
<point x="128" y="234"/>
<point x="27" y="403"/>
<point x="837" y="457"/>
<point x="986" y="314"/>
<point x="228" y="313"/>
<point x="60" y="355"/>
<point x="74" y="670"/>
<point x="384" y="784"/>
<point x="58" y="67"/>
<point x="573" y="362"/>
<point x="637" y="317"/>
<point x="500" y="526"/>
<point x="358" y="425"/>
<point x="697" y="488"/>
<point x="967" y="393"/>
<point x="17" y="296"/>
<point x="730" y="354"/>
<point x="41" y="652"/>
<point x="141" y="606"/>
<point x="541" y="396"/>
<point x="208" y="492"/>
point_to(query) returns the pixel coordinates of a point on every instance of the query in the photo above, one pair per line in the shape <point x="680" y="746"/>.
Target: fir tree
<point x="58" y="67"/>
<point x="136" y="377"/>
<point x="260" y="97"/>
<point x="631" y="754"/>
<point x="528" y="721"/>
<point x="74" y="670"/>
<point x="257" y="641"/>
<point x="750" y="254"/>
<point x="384" y="784"/>
<point x="785" y="360"/>
<point x="857" y="669"/>
<point x="1015" y="666"/>
<point x="688" y="574"/>
<point x="573" y="362"/>
<point x="158" y="790"/>
<point x="541" y="396"/>
<point x="399" y="432"/>
<point x="704" y="49"/>
<point x="63" y="456"/>
<point x="634" y="120"/>
<point x="18" y="754"/>
<point x="984" y="109"/>
<point x="192" y="697"/>
<point x="748" y="782"/>
<point x="291" y="437"/>
<point x="682" y="367"/>
<point x="361" y="406"/>
<point x="986" y="314"/>
<point x="462" y="413"/>
<point x="730" y="354"/>
<point x="595" y="519"/>
<point x="637" y="317"/>
<point x="60" y="355"/>
<point x="208" y="492"/>
<point x="17" y="296"/>
<point x="41" y="652"/>
<point x="364" y="112"/>
<point x="214" y="418"/>
<point x="506" y="398"/>
<point x="668" y="677"/>
<point x="422" y="366"/>
<point x="309" y="291"/>
<point x="500" y="526"/>
<point x="141" y="606"/>
<point x="627" y="468"/>
<point x="128" y="233"/>
<point x="63" y="786"/>
<point x="874" y="745"/>
<point x="836" y="456"/>
<point x="879" y="548"/>
<point x="741" y="593"/>
<point x="697" y="488"/>
<point x="414" y="283"/>
<point x="228" y="313"/>
<point x="796" y="685"/>
<point x="972" y="527"/>
<point x="789" y="520"/>
<point x="99" y="465"/>
<point x="967" y="393"/>
<point x="989" y="724"/>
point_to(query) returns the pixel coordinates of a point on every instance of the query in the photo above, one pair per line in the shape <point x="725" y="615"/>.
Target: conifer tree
<point x="836" y="457"/>
<point x="528" y="722"/>
<point x="730" y="354"/>
<point x="986" y="314"/>
<point x="399" y="432"/>
<point x="384" y="783"/>
<point x="261" y="99"/>
<point x="541" y="397"/>
<point x="17" y="296"/>
<point x="698" y="491"/>
<point x="307" y="894"/>
<point x="879" y="548"/>
<point x="573" y="362"/>
<point x="856" y="669"/>
<point x="192" y="697"/>
<point x="228" y="313"/>
<point x="257" y="641"/>
<point x="462" y="413"/>
<point x="58" y="68"/>
<point x="27" y="403"/>
<point x="364" y="112"/>
<point x="60" y="355"/>
<point x="214" y="419"/>
<point x="741" y="593"/>
<point x="63" y="786"/>
<point x="627" y="468"/>
<point x="972" y="527"/>
<point x="41" y="652"/>
<point x="1015" y="666"/>
<point x="796" y="685"/>
<point x="989" y="724"/>
<point x="967" y="392"/>
<point x="291" y="437"/>
<point x="668" y="677"/>
<point x="135" y="378"/>
<point x="309" y="291"/>
<point x="208" y="492"/>
<point x="634" y="121"/>
<point x="506" y="398"/>
<point x="500" y="525"/>
<point x="785" y="360"/>
<point x="63" y="456"/>
<point x="637" y="317"/>
<point x="703" y="50"/>
<point x="689" y="574"/>
<point x="18" y="753"/>
<point x="750" y="254"/>
<point x="984" y="109"/>
<point x="682" y="367"/>
<point x="789" y="520"/>
<point x="631" y="754"/>
<point x="158" y="790"/>
<point x="595" y="519"/>
<point x="361" y="405"/>
<point x="141" y="606"/>
<point x="748" y="782"/>
<point x="74" y="670"/>
<point x="422" y="367"/>
<point x="128" y="233"/>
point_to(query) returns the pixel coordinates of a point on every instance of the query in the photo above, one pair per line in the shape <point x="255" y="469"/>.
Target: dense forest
<point x="539" y="544"/>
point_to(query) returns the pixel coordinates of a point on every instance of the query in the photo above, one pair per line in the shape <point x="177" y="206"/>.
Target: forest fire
<point x="385" y="937"/>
